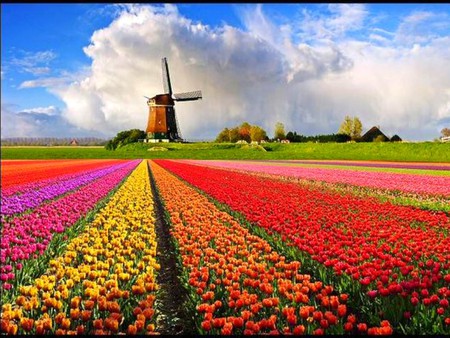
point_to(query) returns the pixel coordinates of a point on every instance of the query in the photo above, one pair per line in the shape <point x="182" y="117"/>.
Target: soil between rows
<point x="172" y="318"/>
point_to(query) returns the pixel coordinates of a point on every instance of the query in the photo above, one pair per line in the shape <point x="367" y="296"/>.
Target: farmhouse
<point x="373" y="134"/>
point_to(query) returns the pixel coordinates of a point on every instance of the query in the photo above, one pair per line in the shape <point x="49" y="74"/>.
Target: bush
<point x="125" y="137"/>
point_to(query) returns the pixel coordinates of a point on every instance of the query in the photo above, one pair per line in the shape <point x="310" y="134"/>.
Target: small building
<point x="74" y="142"/>
<point x="396" y="138"/>
<point x="374" y="134"/>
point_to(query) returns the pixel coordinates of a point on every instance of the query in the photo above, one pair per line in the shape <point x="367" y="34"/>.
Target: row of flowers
<point x="422" y="201"/>
<point x="238" y="283"/>
<point x="27" y="236"/>
<point x="32" y="196"/>
<point x="373" y="164"/>
<point x="104" y="282"/>
<point x="396" y="257"/>
<point x="16" y="175"/>
<point x="423" y="184"/>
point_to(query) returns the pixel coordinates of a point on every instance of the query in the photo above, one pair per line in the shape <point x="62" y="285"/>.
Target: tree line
<point x="349" y="130"/>
<point x="52" y="141"/>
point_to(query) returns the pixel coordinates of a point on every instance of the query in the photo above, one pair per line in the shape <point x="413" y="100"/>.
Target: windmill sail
<point x="166" y="77"/>
<point x="188" y="96"/>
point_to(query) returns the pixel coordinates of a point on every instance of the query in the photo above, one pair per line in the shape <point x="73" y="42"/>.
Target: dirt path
<point x="172" y="317"/>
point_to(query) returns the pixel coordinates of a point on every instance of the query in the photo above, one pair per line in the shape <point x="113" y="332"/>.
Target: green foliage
<point x="294" y="137"/>
<point x="125" y="137"/>
<point x="224" y="136"/>
<point x="257" y="134"/>
<point x="234" y="135"/>
<point x="357" y="128"/>
<point x="351" y="127"/>
<point x="279" y="134"/>
<point x="245" y="131"/>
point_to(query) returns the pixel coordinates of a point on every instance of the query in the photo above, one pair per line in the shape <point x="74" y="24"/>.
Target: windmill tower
<point x="162" y="122"/>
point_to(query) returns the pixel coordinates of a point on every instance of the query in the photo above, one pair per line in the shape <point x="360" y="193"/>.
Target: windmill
<point x="162" y="122"/>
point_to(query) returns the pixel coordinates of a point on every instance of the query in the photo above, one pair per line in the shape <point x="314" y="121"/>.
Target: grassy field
<point x="399" y="152"/>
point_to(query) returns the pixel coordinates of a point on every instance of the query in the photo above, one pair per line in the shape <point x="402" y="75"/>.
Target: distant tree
<point x="445" y="132"/>
<point x="224" y="135"/>
<point x="279" y="131"/>
<point x="290" y="136"/>
<point x="124" y="137"/>
<point x="234" y="135"/>
<point x="257" y="133"/>
<point x="346" y="126"/>
<point x="351" y="127"/>
<point x="357" y="128"/>
<point x="244" y="131"/>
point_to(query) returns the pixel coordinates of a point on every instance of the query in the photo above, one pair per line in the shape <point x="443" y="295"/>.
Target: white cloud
<point x="422" y="27"/>
<point x="38" y="70"/>
<point x="261" y="75"/>
<point x="50" y="110"/>
<point x="243" y="75"/>
<point x="346" y="17"/>
<point x="340" y="19"/>
<point x="49" y="82"/>
<point x="34" y="63"/>
<point x="37" y="122"/>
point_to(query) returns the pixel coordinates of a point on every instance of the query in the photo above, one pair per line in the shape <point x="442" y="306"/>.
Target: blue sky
<point x="82" y="69"/>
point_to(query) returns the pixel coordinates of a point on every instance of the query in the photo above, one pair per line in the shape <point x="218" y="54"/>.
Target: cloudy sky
<point x="72" y="70"/>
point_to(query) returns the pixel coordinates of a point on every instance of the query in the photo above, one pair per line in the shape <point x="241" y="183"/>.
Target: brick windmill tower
<point x="162" y="122"/>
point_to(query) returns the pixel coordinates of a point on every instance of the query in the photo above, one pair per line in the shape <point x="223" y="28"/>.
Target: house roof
<point x="372" y="133"/>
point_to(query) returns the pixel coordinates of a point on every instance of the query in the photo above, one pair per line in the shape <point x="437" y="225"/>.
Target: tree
<point x="257" y="134"/>
<point x="357" y="128"/>
<point x="279" y="131"/>
<point x="124" y="137"/>
<point x="234" y="135"/>
<point x="346" y="126"/>
<point x="351" y="127"/>
<point x="290" y="136"/>
<point x="224" y="136"/>
<point x="244" y="131"/>
<point x="445" y="132"/>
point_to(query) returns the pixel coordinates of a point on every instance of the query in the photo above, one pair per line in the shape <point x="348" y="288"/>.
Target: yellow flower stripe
<point x="105" y="280"/>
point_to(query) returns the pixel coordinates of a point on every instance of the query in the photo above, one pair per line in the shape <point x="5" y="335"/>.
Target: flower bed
<point x="395" y="258"/>
<point x="28" y="236"/>
<point x="104" y="281"/>
<point x="16" y="174"/>
<point x="422" y="184"/>
<point x="238" y="283"/>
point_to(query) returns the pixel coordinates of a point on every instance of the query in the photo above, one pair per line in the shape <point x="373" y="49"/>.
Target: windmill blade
<point x="166" y="77"/>
<point x="189" y="96"/>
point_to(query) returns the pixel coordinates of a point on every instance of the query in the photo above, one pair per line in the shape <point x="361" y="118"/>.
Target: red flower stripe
<point x="390" y="250"/>
<point x="16" y="174"/>
<point x="412" y="183"/>
<point x="238" y="283"/>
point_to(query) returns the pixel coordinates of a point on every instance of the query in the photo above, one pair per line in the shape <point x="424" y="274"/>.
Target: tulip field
<point x="258" y="247"/>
